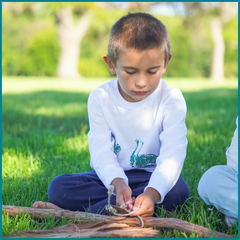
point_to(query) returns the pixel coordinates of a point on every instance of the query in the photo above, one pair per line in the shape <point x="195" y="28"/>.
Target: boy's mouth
<point x="140" y="92"/>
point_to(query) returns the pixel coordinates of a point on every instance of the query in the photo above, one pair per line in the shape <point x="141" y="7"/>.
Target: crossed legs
<point x="86" y="192"/>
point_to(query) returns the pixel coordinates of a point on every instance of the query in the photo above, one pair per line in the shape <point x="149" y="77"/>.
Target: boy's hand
<point x="147" y="201"/>
<point x="123" y="192"/>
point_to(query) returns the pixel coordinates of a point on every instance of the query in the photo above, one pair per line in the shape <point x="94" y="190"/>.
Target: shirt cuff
<point x="110" y="174"/>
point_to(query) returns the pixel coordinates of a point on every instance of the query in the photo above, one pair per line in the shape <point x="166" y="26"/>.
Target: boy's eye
<point x="152" y="72"/>
<point x="130" y="72"/>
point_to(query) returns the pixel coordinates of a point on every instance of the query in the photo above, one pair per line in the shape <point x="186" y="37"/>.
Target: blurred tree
<point x="42" y="50"/>
<point x="13" y="36"/>
<point x="24" y="9"/>
<point x="230" y="34"/>
<point x="72" y="21"/>
<point x="227" y="11"/>
<point x="218" y="14"/>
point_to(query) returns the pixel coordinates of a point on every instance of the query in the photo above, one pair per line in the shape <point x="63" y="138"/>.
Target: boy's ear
<point x="169" y="58"/>
<point x="109" y="63"/>
<point x="165" y="67"/>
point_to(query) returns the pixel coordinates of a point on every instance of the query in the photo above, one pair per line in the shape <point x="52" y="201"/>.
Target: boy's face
<point x="138" y="72"/>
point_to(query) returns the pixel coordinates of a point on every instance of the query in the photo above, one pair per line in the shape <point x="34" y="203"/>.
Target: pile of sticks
<point x="98" y="226"/>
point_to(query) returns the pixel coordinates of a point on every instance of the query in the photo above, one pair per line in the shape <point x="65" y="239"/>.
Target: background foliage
<point x="30" y="44"/>
<point x="231" y="47"/>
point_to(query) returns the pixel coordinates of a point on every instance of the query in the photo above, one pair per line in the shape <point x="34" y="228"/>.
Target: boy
<point x="137" y="136"/>
<point x="219" y="185"/>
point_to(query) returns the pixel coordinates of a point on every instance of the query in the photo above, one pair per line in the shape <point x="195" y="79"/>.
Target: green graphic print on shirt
<point x="144" y="160"/>
<point x="117" y="148"/>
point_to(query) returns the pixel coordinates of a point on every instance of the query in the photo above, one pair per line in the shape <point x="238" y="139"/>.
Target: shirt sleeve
<point x="173" y="145"/>
<point x="101" y="145"/>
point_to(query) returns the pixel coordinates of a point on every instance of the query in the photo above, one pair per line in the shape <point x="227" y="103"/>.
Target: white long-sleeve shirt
<point x="232" y="151"/>
<point x="149" y="134"/>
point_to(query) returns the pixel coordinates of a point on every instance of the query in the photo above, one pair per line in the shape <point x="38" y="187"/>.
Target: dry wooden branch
<point x="158" y="223"/>
<point x="113" y="230"/>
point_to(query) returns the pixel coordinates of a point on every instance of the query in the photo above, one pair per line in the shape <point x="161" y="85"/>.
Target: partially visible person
<point x="219" y="185"/>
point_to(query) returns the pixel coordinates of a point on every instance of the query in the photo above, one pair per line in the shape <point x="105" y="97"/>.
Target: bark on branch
<point x="90" y="230"/>
<point x="149" y="222"/>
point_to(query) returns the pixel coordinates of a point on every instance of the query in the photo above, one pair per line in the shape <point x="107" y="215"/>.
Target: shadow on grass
<point x="51" y="127"/>
<point x="58" y="111"/>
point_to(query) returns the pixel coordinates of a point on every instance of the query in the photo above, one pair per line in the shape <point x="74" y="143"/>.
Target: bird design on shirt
<point x="117" y="148"/>
<point x="143" y="160"/>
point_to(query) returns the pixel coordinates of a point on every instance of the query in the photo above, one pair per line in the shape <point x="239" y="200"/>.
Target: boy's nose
<point x="141" y="82"/>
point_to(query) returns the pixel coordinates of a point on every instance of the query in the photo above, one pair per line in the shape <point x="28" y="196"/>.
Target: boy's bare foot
<point x="46" y="205"/>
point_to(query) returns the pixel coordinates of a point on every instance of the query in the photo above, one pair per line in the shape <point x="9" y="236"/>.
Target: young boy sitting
<point x="137" y="136"/>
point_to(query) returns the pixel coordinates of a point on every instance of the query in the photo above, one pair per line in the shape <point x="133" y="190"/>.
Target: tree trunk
<point x="217" y="74"/>
<point x="70" y="37"/>
<point x="149" y="222"/>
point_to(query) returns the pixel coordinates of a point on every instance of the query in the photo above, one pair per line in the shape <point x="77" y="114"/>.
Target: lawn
<point x="44" y="134"/>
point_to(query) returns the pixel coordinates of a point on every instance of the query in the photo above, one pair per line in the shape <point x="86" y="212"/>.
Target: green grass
<point x="44" y="134"/>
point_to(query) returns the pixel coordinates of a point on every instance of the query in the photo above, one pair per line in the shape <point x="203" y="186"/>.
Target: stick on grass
<point x="158" y="223"/>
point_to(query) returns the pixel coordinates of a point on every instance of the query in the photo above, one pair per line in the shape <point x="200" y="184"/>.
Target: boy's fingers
<point x="138" y="202"/>
<point x="128" y="198"/>
<point x="120" y="201"/>
<point x="129" y="204"/>
<point x="145" y="209"/>
<point x="141" y="210"/>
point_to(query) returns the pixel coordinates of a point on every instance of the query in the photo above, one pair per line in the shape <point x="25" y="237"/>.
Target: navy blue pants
<point x="86" y="192"/>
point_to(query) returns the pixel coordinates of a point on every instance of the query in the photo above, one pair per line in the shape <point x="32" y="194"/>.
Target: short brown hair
<point x="140" y="31"/>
